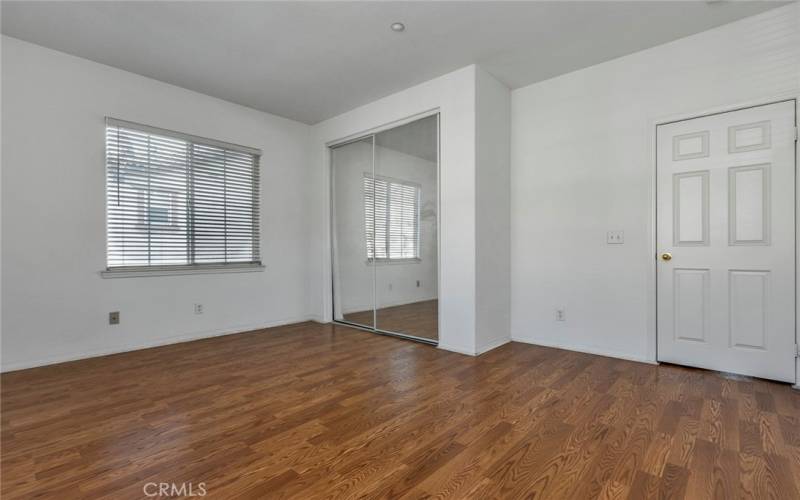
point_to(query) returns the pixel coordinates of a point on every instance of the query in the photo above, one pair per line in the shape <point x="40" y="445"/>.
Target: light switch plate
<point x="615" y="237"/>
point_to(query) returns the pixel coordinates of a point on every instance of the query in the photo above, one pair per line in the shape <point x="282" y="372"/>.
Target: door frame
<point x="373" y="131"/>
<point x="652" y="263"/>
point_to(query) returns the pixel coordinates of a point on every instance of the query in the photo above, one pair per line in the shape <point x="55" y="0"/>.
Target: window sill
<point x="393" y="262"/>
<point x="144" y="272"/>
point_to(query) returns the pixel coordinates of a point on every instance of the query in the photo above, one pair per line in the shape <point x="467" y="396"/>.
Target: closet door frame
<point x="332" y="229"/>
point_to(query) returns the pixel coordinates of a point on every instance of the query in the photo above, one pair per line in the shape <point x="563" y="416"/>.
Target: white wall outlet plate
<point x="615" y="237"/>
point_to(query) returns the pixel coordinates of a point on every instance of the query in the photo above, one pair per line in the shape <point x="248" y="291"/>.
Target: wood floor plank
<point x="644" y="486"/>
<point x="725" y="482"/>
<point x="316" y="411"/>
<point x="673" y="482"/>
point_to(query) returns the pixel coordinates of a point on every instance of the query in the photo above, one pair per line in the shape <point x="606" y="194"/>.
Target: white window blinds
<point x="391" y="216"/>
<point x="175" y="200"/>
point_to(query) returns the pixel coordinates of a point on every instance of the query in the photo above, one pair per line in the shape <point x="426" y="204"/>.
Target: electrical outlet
<point x="390" y="286"/>
<point x="198" y="308"/>
<point x="561" y="314"/>
<point x="615" y="237"/>
<point x="113" y="318"/>
<point x="418" y="283"/>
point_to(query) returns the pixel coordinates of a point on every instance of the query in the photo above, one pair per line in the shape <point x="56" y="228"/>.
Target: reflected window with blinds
<point x="391" y="217"/>
<point x="179" y="201"/>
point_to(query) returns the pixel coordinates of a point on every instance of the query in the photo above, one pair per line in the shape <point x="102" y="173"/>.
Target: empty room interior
<point x="399" y="249"/>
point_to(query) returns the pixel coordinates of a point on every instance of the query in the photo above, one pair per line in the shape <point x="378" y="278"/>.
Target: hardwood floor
<point x="420" y="319"/>
<point x="320" y="411"/>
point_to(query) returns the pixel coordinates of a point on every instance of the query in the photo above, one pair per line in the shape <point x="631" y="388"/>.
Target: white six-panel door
<point x="726" y="241"/>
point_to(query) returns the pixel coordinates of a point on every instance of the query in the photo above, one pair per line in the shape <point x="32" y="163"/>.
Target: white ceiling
<point x="313" y="60"/>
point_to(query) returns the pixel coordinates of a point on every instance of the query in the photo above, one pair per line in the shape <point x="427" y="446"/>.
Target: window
<point x="160" y="210"/>
<point x="391" y="216"/>
<point x="179" y="201"/>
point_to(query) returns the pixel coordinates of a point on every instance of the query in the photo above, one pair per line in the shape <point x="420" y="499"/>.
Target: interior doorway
<point x="726" y="241"/>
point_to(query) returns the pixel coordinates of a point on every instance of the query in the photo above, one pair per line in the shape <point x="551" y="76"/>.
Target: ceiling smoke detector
<point x="398" y="27"/>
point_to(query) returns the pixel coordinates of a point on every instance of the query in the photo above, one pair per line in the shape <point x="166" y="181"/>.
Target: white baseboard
<point x="457" y="349"/>
<point x="469" y="352"/>
<point x="587" y="350"/>
<point x="63" y="358"/>
<point x="494" y="344"/>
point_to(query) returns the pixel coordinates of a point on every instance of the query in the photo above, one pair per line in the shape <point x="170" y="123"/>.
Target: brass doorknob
<point x="666" y="256"/>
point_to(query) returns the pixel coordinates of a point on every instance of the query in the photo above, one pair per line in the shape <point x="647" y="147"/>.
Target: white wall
<point x="493" y="233"/>
<point x="396" y="282"/>
<point x="55" y="304"/>
<point x="582" y="147"/>
<point x="474" y="232"/>
<point x="454" y="96"/>
<point x="581" y="164"/>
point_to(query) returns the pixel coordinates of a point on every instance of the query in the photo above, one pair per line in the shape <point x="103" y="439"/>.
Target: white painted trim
<point x="179" y="339"/>
<point x="456" y="349"/>
<point x="652" y="124"/>
<point x="727" y="108"/>
<point x="438" y="224"/>
<point x="705" y="177"/>
<point x="705" y="148"/>
<point x="382" y="128"/>
<point x="766" y="204"/>
<point x="797" y="239"/>
<point x="488" y="347"/>
<point x="766" y="137"/>
<point x="587" y="350"/>
<point x="180" y="271"/>
<point x="494" y="344"/>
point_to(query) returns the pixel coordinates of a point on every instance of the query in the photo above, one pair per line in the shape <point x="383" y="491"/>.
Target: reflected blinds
<point x="179" y="200"/>
<point x="391" y="216"/>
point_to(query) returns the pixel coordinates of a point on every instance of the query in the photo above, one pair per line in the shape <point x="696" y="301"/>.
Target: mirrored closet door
<point x="384" y="193"/>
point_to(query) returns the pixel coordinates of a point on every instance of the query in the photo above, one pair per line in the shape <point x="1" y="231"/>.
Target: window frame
<point x="189" y="268"/>
<point x="388" y="260"/>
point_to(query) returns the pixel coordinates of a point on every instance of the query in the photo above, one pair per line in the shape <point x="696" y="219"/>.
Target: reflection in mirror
<point x="404" y="252"/>
<point x="353" y="280"/>
<point x="384" y="236"/>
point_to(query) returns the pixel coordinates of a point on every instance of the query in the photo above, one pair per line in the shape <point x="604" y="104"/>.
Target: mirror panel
<point x="353" y="276"/>
<point x="405" y="226"/>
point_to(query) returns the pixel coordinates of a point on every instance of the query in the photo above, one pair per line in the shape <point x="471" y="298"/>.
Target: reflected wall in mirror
<point x="353" y="280"/>
<point x="405" y="229"/>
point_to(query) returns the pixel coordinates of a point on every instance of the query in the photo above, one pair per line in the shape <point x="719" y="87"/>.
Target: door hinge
<point x="796" y="133"/>
<point x="797" y="350"/>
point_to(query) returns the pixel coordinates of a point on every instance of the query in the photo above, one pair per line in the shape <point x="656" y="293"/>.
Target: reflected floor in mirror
<point x="419" y="319"/>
